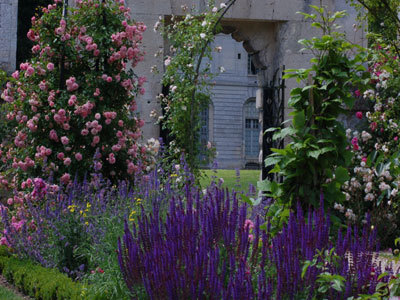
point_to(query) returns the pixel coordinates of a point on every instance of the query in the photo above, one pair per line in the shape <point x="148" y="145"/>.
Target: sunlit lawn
<point x="247" y="177"/>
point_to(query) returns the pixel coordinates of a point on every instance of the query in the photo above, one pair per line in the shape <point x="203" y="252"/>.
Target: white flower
<point x="223" y="5"/>
<point x="202" y="35"/>
<point x="338" y="207"/>
<point x="350" y="215"/>
<point x="156" y="26"/>
<point x="383" y="186"/>
<point x="222" y="69"/>
<point x="365" y="136"/>
<point x="173" y="88"/>
<point x="167" y="62"/>
<point x="369" y="197"/>
<point x="394" y="193"/>
<point x="153" y="114"/>
<point x="214" y="9"/>
<point x="209" y="145"/>
<point x="177" y="167"/>
<point x="154" y="69"/>
<point x="348" y="133"/>
<point x="204" y="24"/>
<point x="218" y="49"/>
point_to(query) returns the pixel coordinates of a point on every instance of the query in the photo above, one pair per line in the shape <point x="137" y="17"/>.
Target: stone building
<point x="8" y="34"/>
<point x="268" y="30"/>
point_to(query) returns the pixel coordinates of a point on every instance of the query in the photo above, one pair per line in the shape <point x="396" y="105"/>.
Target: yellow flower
<point x="81" y="211"/>
<point x="88" y="205"/>
<point x="72" y="208"/>
<point x="174" y="175"/>
<point x="132" y="216"/>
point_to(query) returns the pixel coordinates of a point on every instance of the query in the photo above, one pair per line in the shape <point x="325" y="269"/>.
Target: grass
<point x="247" y="177"/>
<point x="5" y="293"/>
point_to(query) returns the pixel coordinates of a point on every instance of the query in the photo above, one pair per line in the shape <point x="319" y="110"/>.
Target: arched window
<point x="251" y="129"/>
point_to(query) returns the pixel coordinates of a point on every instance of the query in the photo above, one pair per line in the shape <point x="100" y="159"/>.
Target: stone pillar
<point x="8" y="34"/>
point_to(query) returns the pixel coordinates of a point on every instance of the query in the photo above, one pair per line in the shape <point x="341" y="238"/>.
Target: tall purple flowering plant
<point x="206" y="247"/>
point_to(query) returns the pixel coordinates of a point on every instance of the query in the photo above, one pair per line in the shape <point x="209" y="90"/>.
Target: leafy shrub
<point x="375" y="170"/>
<point x="77" y="96"/>
<point x="317" y="156"/>
<point x="39" y="282"/>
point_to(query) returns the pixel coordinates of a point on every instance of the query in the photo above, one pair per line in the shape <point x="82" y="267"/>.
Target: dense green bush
<point x="38" y="282"/>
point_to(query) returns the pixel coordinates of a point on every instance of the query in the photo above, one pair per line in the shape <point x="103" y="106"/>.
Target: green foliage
<point x="381" y="16"/>
<point x="39" y="282"/>
<point x="316" y="158"/>
<point x="325" y="281"/>
<point x="8" y="294"/>
<point x="109" y="285"/>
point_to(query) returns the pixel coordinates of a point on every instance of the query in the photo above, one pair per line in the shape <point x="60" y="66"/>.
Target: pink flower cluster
<point x="71" y="84"/>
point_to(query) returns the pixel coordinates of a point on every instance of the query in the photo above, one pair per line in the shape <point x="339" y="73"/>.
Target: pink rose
<point x="78" y="156"/>
<point x="67" y="161"/>
<point x="64" y="140"/>
<point x="359" y="115"/>
<point x="65" y="178"/>
<point x="50" y="66"/>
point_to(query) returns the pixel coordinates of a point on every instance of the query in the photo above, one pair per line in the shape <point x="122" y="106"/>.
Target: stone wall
<point x="8" y="34"/>
<point x="269" y="28"/>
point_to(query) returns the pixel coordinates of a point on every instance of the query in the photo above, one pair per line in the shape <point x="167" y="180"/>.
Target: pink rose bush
<point x="77" y="97"/>
<point x="375" y="173"/>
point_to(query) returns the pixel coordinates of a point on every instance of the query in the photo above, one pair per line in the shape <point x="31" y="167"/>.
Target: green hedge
<point x="37" y="281"/>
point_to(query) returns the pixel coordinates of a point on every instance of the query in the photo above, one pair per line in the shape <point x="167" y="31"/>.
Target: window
<point x="251" y="130"/>
<point x="251" y="68"/>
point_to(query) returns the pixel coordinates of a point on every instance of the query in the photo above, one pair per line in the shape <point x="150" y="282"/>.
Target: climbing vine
<point x="188" y="78"/>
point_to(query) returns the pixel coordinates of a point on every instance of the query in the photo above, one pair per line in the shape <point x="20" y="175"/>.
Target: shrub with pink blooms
<point x="76" y="99"/>
<point x="375" y="174"/>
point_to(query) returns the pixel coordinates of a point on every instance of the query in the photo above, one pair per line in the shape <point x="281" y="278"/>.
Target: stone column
<point x="8" y="34"/>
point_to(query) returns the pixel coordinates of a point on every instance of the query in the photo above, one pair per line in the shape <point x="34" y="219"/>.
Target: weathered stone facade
<point x="268" y="29"/>
<point x="8" y="34"/>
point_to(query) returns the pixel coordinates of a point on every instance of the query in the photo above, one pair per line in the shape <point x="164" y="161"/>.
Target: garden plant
<point x="106" y="215"/>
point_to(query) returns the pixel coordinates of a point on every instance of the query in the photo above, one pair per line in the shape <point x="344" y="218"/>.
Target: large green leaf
<point x="271" y="160"/>
<point x="299" y="119"/>
<point x="284" y="132"/>
<point x="342" y="175"/>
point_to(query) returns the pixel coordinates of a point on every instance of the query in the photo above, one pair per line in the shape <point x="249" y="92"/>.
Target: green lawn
<point x="230" y="180"/>
<point x="6" y="294"/>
